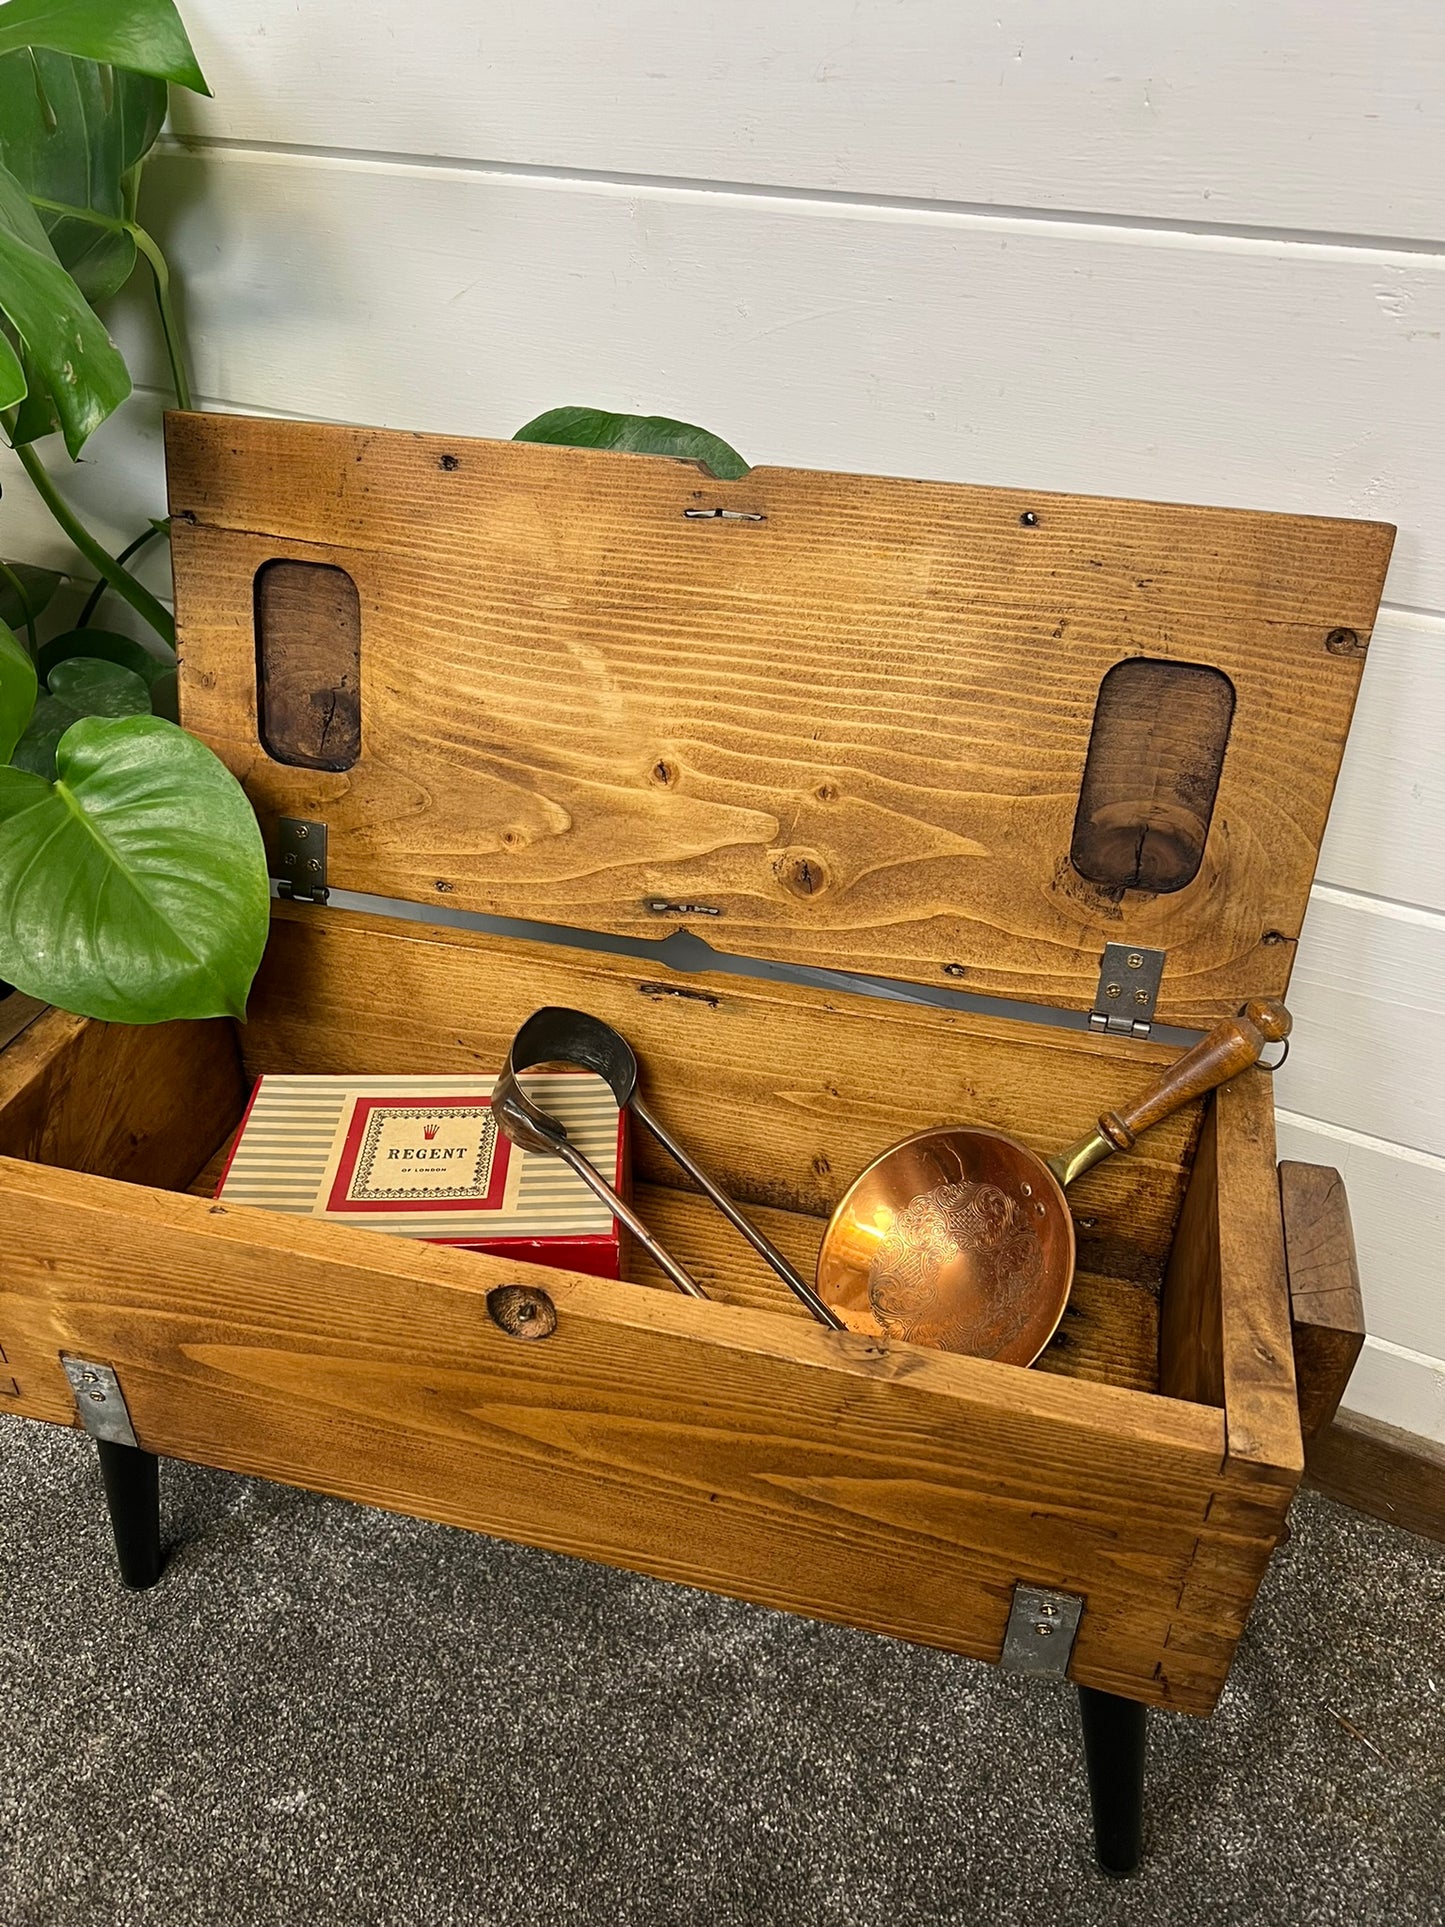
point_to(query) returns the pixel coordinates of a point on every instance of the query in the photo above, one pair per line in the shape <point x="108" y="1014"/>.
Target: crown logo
<point x="429" y="1131"/>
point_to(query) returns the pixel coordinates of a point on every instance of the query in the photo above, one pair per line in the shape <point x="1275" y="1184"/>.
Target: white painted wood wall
<point x="1191" y="251"/>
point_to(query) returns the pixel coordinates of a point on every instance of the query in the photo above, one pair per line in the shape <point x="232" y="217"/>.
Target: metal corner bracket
<point x="1039" y="1639"/>
<point x="1129" y="979"/>
<point x="301" y="847"/>
<point x="99" y="1400"/>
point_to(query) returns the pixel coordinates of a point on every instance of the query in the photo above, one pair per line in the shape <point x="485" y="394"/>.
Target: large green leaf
<point x="635" y="435"/>
<point x="106" y="645"/>
<point x="25" y="592"/>
<point x="36" y="750"/>
<point x="18" y="688"/>
<point x="12" y="376"/>
<point x="80" y="367"/>
<point x="78" y="686"/>
<point x="134" y="888"/>
<point x="92" y="687"/>
<point x="70" y="133"/>
<point x="143" y="35"/>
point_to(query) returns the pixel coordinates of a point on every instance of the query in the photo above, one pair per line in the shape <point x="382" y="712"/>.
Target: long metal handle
<point x="764" y="1247"/>
<point x="600" y="1188"/>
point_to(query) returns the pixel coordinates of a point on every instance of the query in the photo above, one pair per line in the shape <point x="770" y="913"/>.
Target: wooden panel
<point x="1224" y="1317"/>
<point x="17" y="1013"/>
<point x="1393" y="1475"/>
<point x="1397" y="1205"/>
<point x="1110" y="1333"/>
<point x="1326" y="1313"/>
<point x="1152" y="775"/>
<point x="146" y="1103"/>
<point x="1386" y="831"/>
<point x="820" y="1472"/>
<point x="1261" y="1402"/>
<point x="1332" y="117"/>
<point x="1191" y="1330"/>
<point x="799" y="736"/>
<point x="783" y="1093"/>
<point x="308" y="665"/>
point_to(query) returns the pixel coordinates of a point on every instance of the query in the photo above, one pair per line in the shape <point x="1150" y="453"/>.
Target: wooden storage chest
<point x="815" y="720"/>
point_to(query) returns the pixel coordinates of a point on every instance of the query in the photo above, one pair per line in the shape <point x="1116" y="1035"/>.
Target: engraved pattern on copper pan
<point x="958" y="1238"/>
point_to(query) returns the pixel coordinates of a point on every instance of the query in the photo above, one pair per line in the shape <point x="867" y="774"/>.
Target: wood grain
<point x="797" y="736"/>
<point x="783" y="1093"/>
<point x="1224" y="1318"/>
<point x="308" y="658"/>
<point x="888" y="1487"/>
<point x="17" y="1013"/>
<point x="1394" y="1475"/>
<point x="148" y="1104"/>
<point x="1110" y="1333"/>
<point x="1327" y="1315"/>
<point x="1152" y="774"/>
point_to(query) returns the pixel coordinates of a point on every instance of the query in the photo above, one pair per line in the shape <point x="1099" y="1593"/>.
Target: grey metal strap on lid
<point x="559" y="1036"/>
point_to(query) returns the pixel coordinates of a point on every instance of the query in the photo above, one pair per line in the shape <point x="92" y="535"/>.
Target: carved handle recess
<point x="1231" y="1047"/>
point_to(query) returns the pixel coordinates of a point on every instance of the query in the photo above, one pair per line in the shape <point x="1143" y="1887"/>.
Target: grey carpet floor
<point x="325" y="1714"/>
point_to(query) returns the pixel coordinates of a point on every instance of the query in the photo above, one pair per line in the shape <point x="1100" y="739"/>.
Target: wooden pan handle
<point x="1231" y="1047"/>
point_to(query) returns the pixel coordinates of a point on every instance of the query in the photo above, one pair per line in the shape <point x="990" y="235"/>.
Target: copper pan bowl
<point x="960" y="1237"/>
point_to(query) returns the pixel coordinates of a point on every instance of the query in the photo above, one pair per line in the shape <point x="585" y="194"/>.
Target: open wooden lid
<point x="840" y="720"/>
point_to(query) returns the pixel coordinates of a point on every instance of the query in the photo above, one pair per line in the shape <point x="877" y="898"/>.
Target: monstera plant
<point x="132" y="876"/>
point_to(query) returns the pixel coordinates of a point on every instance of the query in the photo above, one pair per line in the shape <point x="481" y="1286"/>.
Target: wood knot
<point x="450" y="463"/>
<point x="522" y="1311"/>
<point x="803" y="873"/>
<point x="826" y="792"/>
<point x="664" y="773"/>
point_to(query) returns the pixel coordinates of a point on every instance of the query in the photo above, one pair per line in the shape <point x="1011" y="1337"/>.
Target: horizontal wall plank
<point x="1400" y="1388"/>
<point x="1047" y="355"/>
<point x="1397" y="1207"/>
<point x="1368" y="997"/>
<point x="1313" y="117"/>
<point x="1387" y="827"/>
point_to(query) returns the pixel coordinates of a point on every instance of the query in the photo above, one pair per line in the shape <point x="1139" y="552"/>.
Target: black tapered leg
<point x="1114" y="1752"/>
<point x="133" y="1494"/>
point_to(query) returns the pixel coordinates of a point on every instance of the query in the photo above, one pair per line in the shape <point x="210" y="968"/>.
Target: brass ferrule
<point x="1078" y="1158"/>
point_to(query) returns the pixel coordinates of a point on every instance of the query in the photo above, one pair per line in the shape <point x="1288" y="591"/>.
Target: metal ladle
<point x="960" y="1237"/>
<point x="559" y="1036"/>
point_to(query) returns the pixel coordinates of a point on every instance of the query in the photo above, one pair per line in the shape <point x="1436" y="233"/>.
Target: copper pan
<point x="960" y="1237"/>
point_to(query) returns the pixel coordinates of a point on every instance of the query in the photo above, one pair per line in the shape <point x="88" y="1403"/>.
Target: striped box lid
<point x="422" y="1157"/>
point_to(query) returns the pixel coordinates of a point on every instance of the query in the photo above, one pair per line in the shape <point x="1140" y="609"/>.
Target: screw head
<point x="96" y="1398"/>
<point x="1136" y="962"/>
<point x="1112" y="990"/>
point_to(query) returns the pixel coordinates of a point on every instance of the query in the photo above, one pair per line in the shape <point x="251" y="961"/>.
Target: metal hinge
<point x="301" y="844"/>
<point x="1041" y="1628"/>
<point x="1128" y="989"/>
<point x="99" y="1401"/>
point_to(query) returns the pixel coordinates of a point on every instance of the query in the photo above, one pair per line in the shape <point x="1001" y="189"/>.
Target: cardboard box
<point x="421" y="1157"/>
